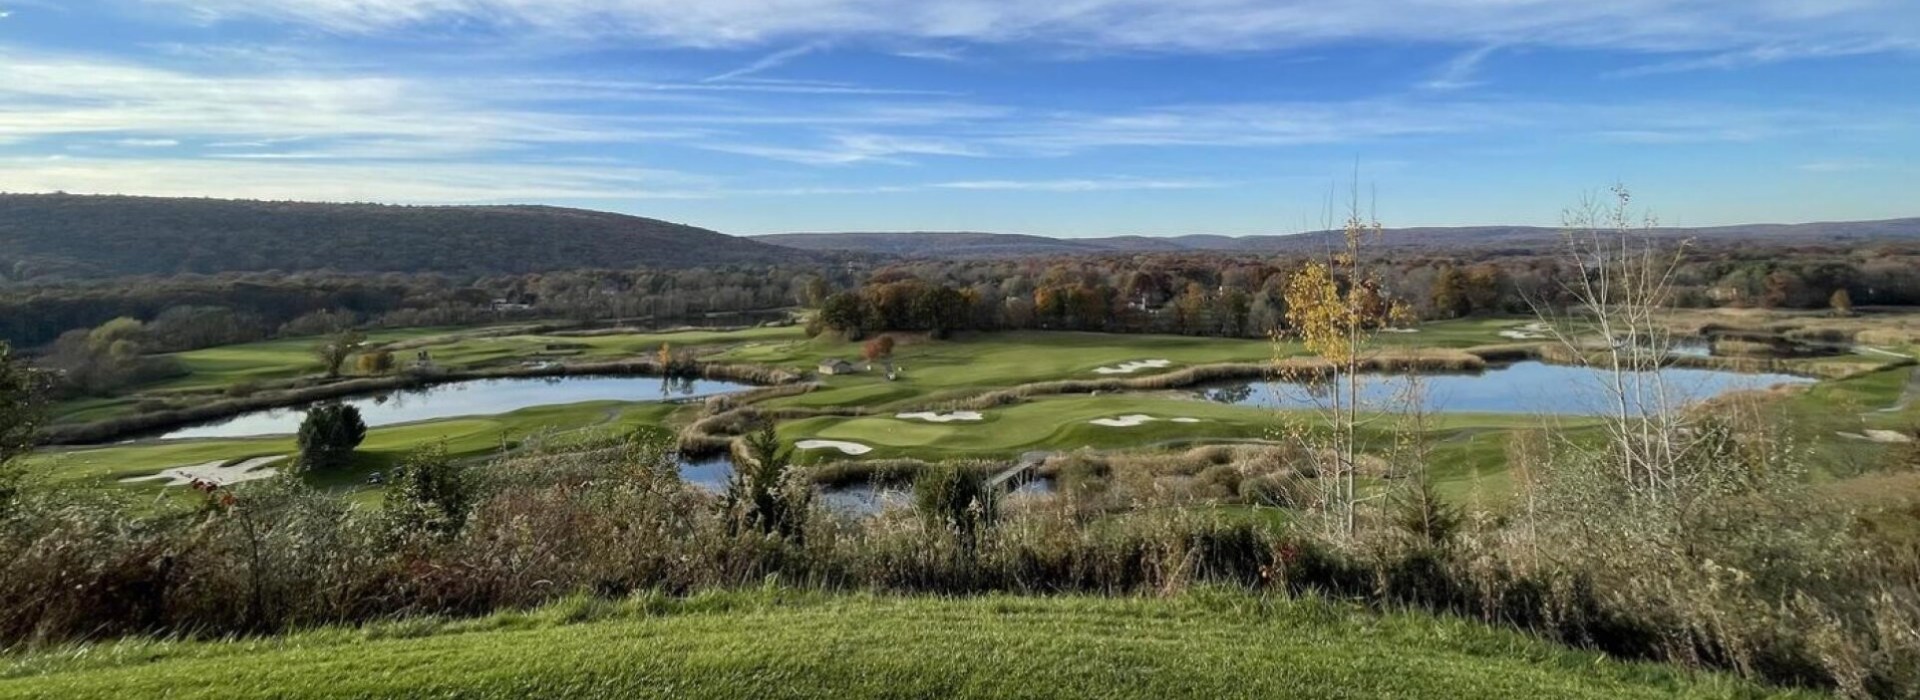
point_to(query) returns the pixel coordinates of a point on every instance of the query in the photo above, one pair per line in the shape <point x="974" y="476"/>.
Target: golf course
<point x="1006" y="389"/>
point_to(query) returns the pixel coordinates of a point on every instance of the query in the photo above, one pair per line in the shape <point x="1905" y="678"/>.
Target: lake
<point x="478" y="397"/>
<point x="1524" y="387"/>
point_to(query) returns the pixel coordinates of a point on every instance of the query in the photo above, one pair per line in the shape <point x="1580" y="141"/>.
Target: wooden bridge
<point x="1020" y="473"/>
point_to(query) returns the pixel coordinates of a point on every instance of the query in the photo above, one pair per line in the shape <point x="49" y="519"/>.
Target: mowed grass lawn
<point x="773" y="645"/>
<point x="217" y="368"/>
<point x="1066" y="423"/>
<point x="970" y="362"/>
<point x="471" y="436"/>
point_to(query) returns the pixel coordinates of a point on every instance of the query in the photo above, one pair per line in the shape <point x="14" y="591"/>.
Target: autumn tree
<point x="1450" y="298"/>
<point x="1841" y="302"/>
<point x="376" y="362"/>
<point x="844" y="312"/>
<point x="1334" y="307"/>
<point x="877" y="349"/>
<point x="334" y="350"/>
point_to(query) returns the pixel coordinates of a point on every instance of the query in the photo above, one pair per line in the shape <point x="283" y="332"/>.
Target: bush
<point x="429" y="494"/>
<point x="329" y="435"/>
<point x="957" y="500"/>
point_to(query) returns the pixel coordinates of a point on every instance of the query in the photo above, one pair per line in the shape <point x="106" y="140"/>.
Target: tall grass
<point x="1766" y="587"/>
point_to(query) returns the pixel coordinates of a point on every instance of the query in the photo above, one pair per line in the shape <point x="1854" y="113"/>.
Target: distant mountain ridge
<point x="992" y="245"/>
<point x="95" y="236"/>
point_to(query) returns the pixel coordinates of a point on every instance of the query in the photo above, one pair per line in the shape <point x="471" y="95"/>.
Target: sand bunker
<point x="852" y="448"/>
<point x="932" y="417"/>
<point x="1134" y="366"/>
<point x="215" y="472"/>
<point x="1889" y="437"/>
<point x="1399" y="330"/>
<point x="1135" y="420"/>
<point x="1531" y="331"/>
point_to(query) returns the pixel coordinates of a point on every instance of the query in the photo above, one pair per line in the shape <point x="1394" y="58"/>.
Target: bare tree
<point x="1621" y="279"/>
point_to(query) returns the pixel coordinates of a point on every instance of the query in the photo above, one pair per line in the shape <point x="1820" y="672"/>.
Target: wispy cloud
<point x="1769" y="54"/>
<point x="766" y="63"/>
<point x="1460" y="72"/>
<point x="413" y="183"/>
<point x="1072" y="185"/>
<point x="1838" y="166"/>
<point x="1200" y="25"/>
<point x="848" y="149"/>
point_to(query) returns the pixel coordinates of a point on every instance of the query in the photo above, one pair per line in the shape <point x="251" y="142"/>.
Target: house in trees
<point x="836" y="366"/>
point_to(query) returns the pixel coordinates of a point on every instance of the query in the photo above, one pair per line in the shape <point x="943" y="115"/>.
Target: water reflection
<point x="470" y="398"/>
<point x="1525" y="387"/>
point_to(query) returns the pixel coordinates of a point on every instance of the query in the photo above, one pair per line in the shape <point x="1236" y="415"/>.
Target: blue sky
<point x="1068" y="117"/>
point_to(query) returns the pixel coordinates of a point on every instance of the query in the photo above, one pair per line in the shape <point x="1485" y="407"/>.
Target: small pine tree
<point x="329" y="435"/>
<point x="761" y="494"/>
<point x="1421" y="512"/>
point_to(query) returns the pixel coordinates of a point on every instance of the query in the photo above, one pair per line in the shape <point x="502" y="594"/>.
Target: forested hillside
<point x="74" y="236"/>
<point x="1430" y="239"/>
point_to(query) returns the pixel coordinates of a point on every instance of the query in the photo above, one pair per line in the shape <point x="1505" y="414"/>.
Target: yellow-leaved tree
<point x="1335" y="307"/>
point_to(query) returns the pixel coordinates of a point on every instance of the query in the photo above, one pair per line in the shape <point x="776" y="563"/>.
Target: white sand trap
<point x="1531" y="331"/>
<point x="932" y="417"/>
<point x="1888" y="436"/>
<point x="214" y="473"/>
<point x="1134" y="366"/>
<point x="1399" y="330"/>
<point x="1134" y="420"/>
<point x="852" y="448"/>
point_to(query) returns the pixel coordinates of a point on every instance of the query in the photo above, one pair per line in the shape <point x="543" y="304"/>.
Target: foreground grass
<point x="779" y="645"/>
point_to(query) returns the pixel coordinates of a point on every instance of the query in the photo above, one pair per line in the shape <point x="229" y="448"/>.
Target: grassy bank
<point x="792" y="645"/>
<point x="472" y="436"/>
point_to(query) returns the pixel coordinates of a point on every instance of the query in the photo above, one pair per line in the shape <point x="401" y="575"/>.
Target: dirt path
<point x="1907" y="395"/>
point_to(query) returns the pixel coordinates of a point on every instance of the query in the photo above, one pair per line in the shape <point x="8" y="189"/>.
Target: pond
<point x="713" y="473"/>
<point x="477" y="397"/>
<point x="1524" y="387"/>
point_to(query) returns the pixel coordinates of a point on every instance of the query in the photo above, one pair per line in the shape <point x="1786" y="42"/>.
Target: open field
<point x="728" y="645"/>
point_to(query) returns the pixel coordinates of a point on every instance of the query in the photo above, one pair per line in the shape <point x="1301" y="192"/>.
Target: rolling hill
<point x="88" y="236"/>
<point x="991" y="245"/>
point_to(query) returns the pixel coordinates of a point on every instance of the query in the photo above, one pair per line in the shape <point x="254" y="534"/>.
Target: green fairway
<point x="970" y="362"/>
<point x="772" y="645"/>
<point x="1066" y="423"/>
<point x="463" y="437"/>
